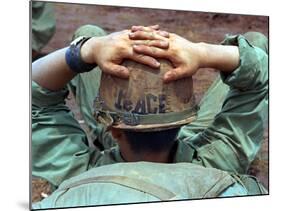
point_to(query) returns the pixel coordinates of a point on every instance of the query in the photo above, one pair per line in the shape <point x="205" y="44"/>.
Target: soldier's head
<point x="143" y="113"/>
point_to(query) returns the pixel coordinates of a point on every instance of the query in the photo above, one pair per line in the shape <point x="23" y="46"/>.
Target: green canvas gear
<point x="43" y="24"/>
<point x="85" y="88"/>
<point x="251" y="183"/>
<point x="142" y="182"/>
<point x="212" y="140"/>
<point x="144" y="102"/>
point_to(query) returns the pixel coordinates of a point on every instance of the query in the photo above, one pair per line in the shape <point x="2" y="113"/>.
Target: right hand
<point x="185" y="56"/>
<point x="109" y="51"/>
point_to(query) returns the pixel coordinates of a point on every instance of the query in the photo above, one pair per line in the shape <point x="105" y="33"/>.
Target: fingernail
<point x="131" y="34"/>
<point x="165" y="34"/>
<point x="166" y="79"/>
<point x="125" y="73"/>
<point x="157" y="64"/>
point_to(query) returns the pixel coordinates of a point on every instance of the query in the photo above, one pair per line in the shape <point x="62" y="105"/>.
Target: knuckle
<point x="120" y="48"/>
<point x="140" y="56"/>
<point x="106" y="68"/>
<point x="173" y="54"/>
<point x="153" y="50"/>
<point x="152" y="35"/>
<point x="144" y="49"/>
<point x="149" y="42"/>
<point x="162" y="44"/>
<point x="138" y="33"/>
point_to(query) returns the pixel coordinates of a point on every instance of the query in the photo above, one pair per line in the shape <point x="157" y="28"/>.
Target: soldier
<point x="43" y="26"/>
<point x="145" y="126"/>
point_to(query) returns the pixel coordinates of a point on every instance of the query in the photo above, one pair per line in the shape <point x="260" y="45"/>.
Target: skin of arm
<point x="231" y="143"/>
<point x="224" y="58"/>
<point x="59" y="145"/>
<point x="51" y="71"/>
<point x="108" y="52"/>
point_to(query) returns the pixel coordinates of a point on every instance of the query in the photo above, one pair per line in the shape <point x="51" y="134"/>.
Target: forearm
<point x="59" y="145"/>
<point x="223" y="58"/>
<point x="52" y="71"/>
<point x="236" y="142"/>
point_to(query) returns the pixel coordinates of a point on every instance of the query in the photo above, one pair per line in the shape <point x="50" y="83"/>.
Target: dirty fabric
<point x="85" y="89"/>
<point x="226" y="135"/>
<point x="135" y="182"/>
<point x="43" y="24"/>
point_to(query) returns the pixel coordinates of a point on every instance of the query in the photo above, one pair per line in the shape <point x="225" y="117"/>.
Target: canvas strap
<point x="224" y="181"/>
<point x="250" y="183"/>
<point x="137" y="184"/>
<point x="108" y="117"/>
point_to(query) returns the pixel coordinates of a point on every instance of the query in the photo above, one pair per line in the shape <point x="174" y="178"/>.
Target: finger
<point x="142" y="35"/>
<point x="163" y="34"/>
<point x="150" y="29"/>
<point x="144" y="59"/>
<point x="143" y="28"/>
<point x="175" y="74"/>
<point x="155" y="27"/>
<point x="150" y="51"/>
<point x="155" y="43"/>
<point x="117" y="70"/>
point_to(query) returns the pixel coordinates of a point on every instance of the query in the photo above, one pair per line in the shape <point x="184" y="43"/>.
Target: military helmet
<point x="143" y="102"/>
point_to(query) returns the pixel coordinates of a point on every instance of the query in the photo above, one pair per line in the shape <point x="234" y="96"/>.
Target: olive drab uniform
<point x="43" y="24"/>
<point x="142" y="182"/>
<point x="85" y="96"/>
<point x="220" y="138"/>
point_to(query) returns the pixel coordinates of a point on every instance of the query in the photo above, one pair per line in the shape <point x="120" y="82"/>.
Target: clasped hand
<point x="144" y="45"/>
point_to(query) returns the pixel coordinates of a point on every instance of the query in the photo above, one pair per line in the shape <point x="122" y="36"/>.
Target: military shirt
<point x="43" y="24"/>
<point x="60" y="148"/>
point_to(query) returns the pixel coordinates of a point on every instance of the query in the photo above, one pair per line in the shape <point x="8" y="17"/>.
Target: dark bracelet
<point x="73" y="56"/>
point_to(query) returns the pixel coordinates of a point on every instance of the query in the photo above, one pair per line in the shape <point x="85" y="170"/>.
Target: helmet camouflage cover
<point x="143" y="102"/>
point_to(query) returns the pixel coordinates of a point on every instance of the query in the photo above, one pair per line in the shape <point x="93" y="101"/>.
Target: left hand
<point x="109" y="51"/>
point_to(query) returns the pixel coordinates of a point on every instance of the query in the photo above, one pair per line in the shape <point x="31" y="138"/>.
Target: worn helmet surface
<point x="143" y="102"/>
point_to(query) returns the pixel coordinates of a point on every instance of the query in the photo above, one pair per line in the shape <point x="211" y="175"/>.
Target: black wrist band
<point x="73" y="56"/>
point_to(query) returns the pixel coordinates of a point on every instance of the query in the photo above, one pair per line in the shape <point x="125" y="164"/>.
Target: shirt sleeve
<point x="43" y="24"/>
<point x="233" y="139"/>
<point x="59" y="146"/>
<point x="234" y="190"/>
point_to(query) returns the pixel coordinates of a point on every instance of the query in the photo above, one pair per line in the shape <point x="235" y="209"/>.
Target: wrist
<point x="224" y="58"/>
<point x="204" y="54"/>
<point x="74" y="58"/>
<point x="88" y="51"/>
